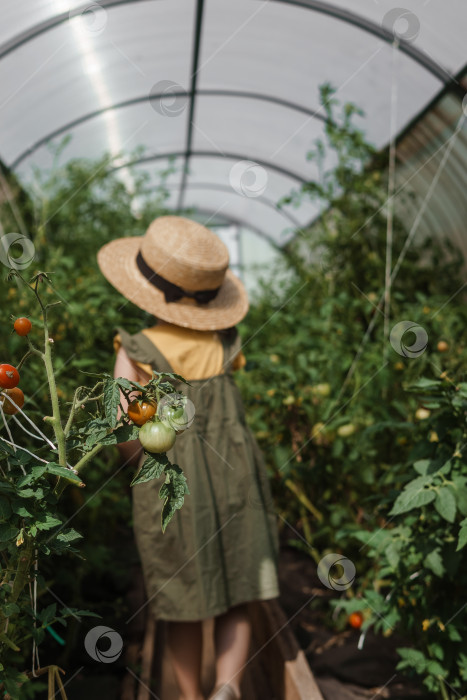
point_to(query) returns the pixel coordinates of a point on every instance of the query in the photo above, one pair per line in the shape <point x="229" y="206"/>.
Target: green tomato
<point x="176" y="417"/>
<point x="346" y="430"/>
<point x="156" y="436"/>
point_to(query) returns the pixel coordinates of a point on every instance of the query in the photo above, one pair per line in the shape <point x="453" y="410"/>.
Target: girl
<point x="219" y="551"/>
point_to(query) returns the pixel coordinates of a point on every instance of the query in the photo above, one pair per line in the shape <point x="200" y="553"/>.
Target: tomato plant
<point x="22" y="326"/>
<point x="9" y="376"/>
<point x="32" y="481"/>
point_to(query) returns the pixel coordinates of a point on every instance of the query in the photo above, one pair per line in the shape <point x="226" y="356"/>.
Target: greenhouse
<point x="233" y="386"/>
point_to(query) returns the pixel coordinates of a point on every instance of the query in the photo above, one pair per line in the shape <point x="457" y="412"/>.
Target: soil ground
<point x="342" y="671"/>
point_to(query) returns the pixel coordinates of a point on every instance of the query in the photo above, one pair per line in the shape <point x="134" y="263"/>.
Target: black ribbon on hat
<point x="173" y="292"/>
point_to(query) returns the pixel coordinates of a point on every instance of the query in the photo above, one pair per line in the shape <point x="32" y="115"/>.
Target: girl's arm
<point x="124" y="367"/>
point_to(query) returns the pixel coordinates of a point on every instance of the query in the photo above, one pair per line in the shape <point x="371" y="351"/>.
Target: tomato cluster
<point x="9" y="380"/>
<point x="158" y="426"/>
<point x="9" y="375"/>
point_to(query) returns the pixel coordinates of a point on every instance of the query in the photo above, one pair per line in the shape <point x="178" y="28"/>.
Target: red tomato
<point x="355" y="620"/>
<point x="139" y="411"/>
<point x="17" y="396"/>
<point x="9" y="377"/>
<point x="22" y="326"/>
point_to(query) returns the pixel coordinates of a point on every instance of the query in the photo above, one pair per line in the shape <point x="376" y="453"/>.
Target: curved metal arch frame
<point x="212" y="154"/>
<point x="224" y="188"/>
<point x="239" y="94"/>
<point x="313" y="5"/>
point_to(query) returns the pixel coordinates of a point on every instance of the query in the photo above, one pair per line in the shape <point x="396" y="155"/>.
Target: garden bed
<point x="342" y="670"/>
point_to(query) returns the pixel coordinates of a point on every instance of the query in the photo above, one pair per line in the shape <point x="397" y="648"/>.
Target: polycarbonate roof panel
<point x="253" y="213"/>
<point x="116" y="131"/>
<point x="249" y="180"/>
<point x="267" y="133"/>
<point x="73" y="70"/>
<point x="428" y="25"/>
<point x="230" y="82"/>
<point x="299" y="51"/>
<point x="18" y="17"/>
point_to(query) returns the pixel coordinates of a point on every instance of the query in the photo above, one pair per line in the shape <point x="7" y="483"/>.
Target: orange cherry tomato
<point x="18" y="397"/>
<point x="355" y="620"/>
<point x="22" y="326"/>
<point x="140" y="411"/>
<point x="9" y="377"/>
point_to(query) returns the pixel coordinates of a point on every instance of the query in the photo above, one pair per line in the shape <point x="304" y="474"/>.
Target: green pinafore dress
<point x="221" y="548"/>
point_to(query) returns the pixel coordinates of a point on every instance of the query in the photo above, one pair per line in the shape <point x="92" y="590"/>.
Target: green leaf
<point x="5" y="507"/>
<point x="425" y="383"/>
<point x="58" y="470"/>
<point x="8" y="531"/>
<point x="435" y="669"/>
<point x="173" y="493"/>
<point x="445" y="504"/>
<point x="124" y="383"/>
<point x="95" y="437"/>
<point x="434" y="562"/>
<point x="47" y="522"/>
<point x="34" y="474"/>
<point x="111" y="401"/>
<point x="460" y="492"/>
<point x="411" y="658"/>
<point x="392" y="554"/>
<point x="152" y="468"/>
<point x="421" y="466"/>
<point x="20" y="510"/>
<point x="437" y="650"/>
<point x="453" y="634"/>
<point x="462" y="535"/>
<point x="47" y="614"/>
<point x="408" y="500"/>
<point x="124" y="433"/>
<point x="38" y="494"/>
<point x="10" y="609"/>
<point x="462" y="663"/>
<point x="69" y="535"/>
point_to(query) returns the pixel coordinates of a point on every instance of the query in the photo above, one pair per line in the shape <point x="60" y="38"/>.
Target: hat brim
<point x="117" y="261"/>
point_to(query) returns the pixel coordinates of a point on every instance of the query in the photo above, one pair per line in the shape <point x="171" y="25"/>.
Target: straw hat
<point x="178" y="271"/>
